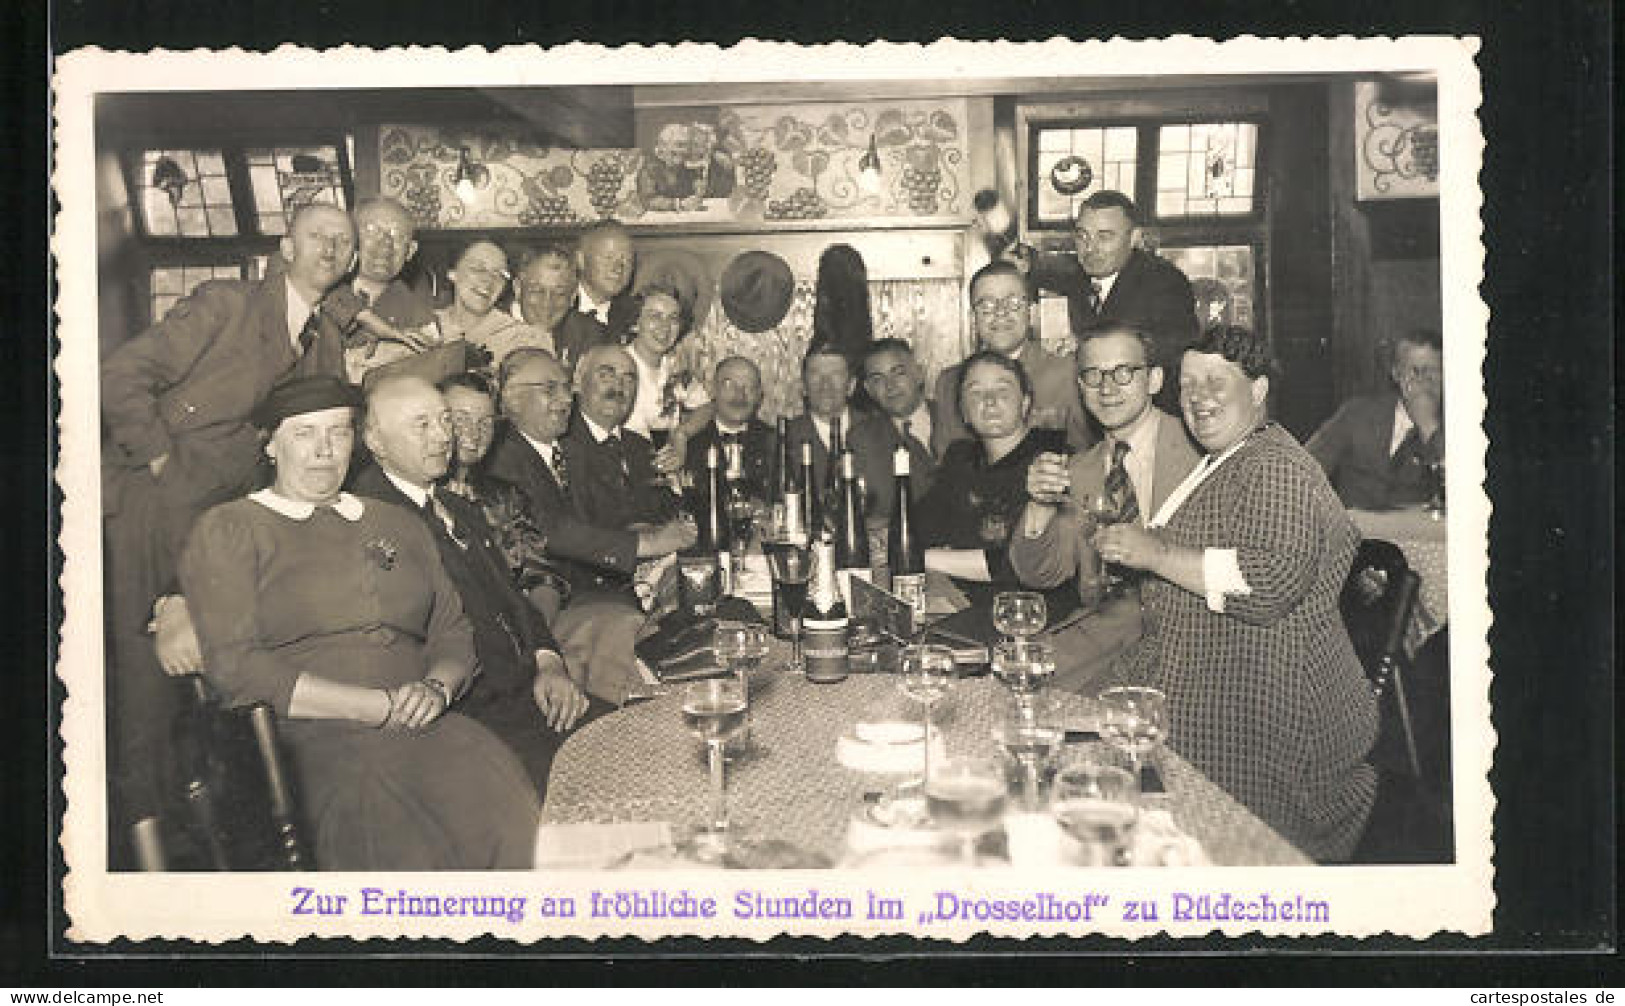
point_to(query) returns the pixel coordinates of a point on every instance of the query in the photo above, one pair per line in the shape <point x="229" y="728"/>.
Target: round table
<point x="640" y="764"/>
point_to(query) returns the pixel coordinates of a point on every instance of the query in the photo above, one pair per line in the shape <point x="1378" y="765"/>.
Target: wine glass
<point x="741" y="521"/>
<point x="1019" y="613"/>
<point x="1024" y="666"/>
<point x="740" y="647"/>
<point x="714" y="711"/>
<point x="965" y="796"/>
<point x="791" y="564"/>
<point x="1095" y="800"/>
<point x="927" y="672"/>
<point x="1134" y="719"/>
<point x="1103" y="510"/>
<point x="1435" y="503"/>
<point x="1030" y="739"/>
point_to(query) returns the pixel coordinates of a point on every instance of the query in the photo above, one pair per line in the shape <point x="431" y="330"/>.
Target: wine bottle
<point x="815" y="512"/>
<point x="905" y="554"/>
<point x="795" y="500"/>
<point x="825" y="624"/>
<point x="781" y="477"/>
<point x="830" y="497"/>
<point x="714" y="536"/>
<point x="852" y="557"/>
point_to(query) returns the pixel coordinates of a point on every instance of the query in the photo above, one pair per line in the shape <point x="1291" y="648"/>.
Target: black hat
<point x="300" y="395"/>
<point x="756" y="291"/>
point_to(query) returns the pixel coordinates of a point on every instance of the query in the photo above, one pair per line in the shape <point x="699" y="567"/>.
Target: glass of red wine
<point x="791" y="564"/>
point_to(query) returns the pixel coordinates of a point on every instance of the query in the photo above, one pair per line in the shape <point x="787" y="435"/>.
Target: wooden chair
<point x="237" y="787"/>
<point x="1377" y="603"/>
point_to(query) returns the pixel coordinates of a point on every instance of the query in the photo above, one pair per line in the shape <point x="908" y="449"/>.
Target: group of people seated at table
<point x="423" y="536"/>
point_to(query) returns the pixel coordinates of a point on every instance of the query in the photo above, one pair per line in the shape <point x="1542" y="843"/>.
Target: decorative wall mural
<point x="1396" y="146"/>
<point x="764" y="165"/>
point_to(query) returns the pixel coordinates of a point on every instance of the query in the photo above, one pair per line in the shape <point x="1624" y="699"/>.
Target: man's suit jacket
<point x="873" y="441"/>
<point x="508" y="630"/>
<point x="761" y="444"/>
<point x="576" y="334"/>
<point x="800" y="430"/>
<point x="1055" y="555"/>
<point x="590" y="554"/>
<point x="1057" y="403"/>
<point x="1352" y="446"/>
<point x="1149" y="292"/>
<point x="616" y="490"/>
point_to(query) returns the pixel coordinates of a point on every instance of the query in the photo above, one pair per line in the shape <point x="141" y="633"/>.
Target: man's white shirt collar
<point x="821" y="425"/>
<point x="586" y="303"/>
<point x="417" y="494"/>
<point x="1402" y="426"/>
<point x="1104" y="284"/>
<point x="728" y="429"/>
<point x="298" y="313"/>
<point x="919" y="423"/>
<point x="599" y="434"/>
<point x="349" y="507"/>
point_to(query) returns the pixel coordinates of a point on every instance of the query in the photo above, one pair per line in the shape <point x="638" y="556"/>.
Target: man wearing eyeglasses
<point x="1001" y="310"/>
<point x="1377" y="449"/>
<point x="1145" y="454"/>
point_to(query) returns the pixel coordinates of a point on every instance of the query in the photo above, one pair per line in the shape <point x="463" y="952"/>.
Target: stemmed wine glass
<point x="1134" y="719"/>
<point x="741" y="521"/>
<point x="1096" y="802"/>
<point x="1019" y="614"/>
<point x="1030" y="739"/>
<point x="966" y="796"/>
<point x="927" y="673"/>
<point x="714" y="711"/>
<point x="1024" y="666"/>
<point x="791" y="564"/>
<point x="1104" y="511"/>
<point x="1435" y="503"/>
<point x="740" y="647"/>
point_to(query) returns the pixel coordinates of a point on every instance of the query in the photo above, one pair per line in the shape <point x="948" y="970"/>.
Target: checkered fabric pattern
<point x="1268" y="699"/>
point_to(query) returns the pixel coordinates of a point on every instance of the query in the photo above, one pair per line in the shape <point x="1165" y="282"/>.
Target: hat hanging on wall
<point x="756" y="291"/>
<point x="682" y="270"/>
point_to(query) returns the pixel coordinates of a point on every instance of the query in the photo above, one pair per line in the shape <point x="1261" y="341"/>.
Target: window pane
<point x="1222" y="279"/>
<point x="184" y="192"/>
<point x="286" y="178"/>
<point x="1108" y="155"/>
<point x="170" y="283"/>
<point x="1206" y="169"/>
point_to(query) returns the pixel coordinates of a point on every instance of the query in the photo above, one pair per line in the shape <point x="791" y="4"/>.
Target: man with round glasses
<point x="1146" y="453"/>
<point x="1001" y="313"/>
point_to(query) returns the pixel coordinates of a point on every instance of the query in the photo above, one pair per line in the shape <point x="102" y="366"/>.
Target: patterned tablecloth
<point x="639" y="764"/>
<point x="1422" y="539"/>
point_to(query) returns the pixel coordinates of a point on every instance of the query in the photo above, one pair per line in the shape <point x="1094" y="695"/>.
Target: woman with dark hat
<point x="337" y="612"/>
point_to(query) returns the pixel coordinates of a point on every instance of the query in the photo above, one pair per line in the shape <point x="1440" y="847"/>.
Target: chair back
<point x="1377" y="602"/>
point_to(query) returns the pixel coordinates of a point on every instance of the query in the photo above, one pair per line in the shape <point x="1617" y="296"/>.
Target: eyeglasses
<point x="462" y="424"/>
<point x="548" y="387"/>
<point x="396" y="235"/>
<point x="987" y="306"/>
<point x="1121" y="375"/>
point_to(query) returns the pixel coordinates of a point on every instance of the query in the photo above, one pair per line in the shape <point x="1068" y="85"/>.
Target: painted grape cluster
<point x="548" y="210"/>
<point x="920" y="185"/>
<point x="604" y="180"/>
<point x="756" y="168"/>
<point x="803" y="204"/>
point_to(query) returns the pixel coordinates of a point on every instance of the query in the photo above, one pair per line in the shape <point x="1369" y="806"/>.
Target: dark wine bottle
<point x="905" y="554"/>
<point x="825" y="624"/>
<point x="714" y="531"/>
<point x="852" y="558"/>
<point x="815" y="510"/>
<point x="781" y="475"/>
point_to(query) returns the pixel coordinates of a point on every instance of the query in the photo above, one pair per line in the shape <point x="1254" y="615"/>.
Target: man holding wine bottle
<point x="1125" y="478"/>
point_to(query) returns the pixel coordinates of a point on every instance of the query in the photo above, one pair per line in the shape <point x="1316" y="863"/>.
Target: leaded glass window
<point x="1206" y="169"/>
<point x="286" y="178"/>
<point x="1098" y="157"/>
<point x="169" y="283"/>
<point x="185" y="193"/>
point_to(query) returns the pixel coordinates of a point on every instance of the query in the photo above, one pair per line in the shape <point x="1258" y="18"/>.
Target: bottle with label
<point x="905" y="553"/>
<point x="815" y="515"/>
<point x="781" y="475"/>
<point x="714" y="530"/>
<point x="737" y="509"/>
<point x="852" y="557"/>
<point x="826" y="621"/>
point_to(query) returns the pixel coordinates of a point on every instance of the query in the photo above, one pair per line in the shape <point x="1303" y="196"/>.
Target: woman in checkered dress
<point x="1247" y="559"/>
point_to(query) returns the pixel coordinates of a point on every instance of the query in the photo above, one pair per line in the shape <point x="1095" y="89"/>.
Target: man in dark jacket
<point x="524" y="693"/>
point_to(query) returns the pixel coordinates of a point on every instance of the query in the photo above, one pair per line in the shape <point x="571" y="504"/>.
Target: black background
<point x="1548" y="230"/>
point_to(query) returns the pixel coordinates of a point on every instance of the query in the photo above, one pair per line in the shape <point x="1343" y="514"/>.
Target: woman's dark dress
<point x="363" y="602"/>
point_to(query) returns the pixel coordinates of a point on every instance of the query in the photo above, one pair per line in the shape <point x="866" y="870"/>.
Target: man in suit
<point x="524" y="693"/>
<point x="1377" y="449"/>
<point x="545" y="298"/>
<point x="1001" y="310"/>
<point x="1110" y="278"/>
<point x="896" y="383"/>
<point x="604" y="262"/>
<point x="601" y="615"/>
<point x="177" y="402"/>
<point x="375" y="303"/>
<point x="1145" y="454"/>
<point x="827" y="383"/>
<point x="738" y="384"/>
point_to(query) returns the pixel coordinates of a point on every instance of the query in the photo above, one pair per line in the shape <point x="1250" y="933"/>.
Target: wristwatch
<point x="440" y="689"/>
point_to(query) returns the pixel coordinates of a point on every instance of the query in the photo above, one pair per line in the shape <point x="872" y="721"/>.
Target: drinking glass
<point x="965" y="796"/>
<point x="791" y="564"/>
<point x="1435" y="503"/>
<point x="741" y="521"/>
<point x="1134" y="719"/>
<point x="1024" y="666"/>
<point x="1095" y="800"/>
<point x="740" y="647"/>
<point x="927" y="673"/>
<point x="1104" y="511"/>
<point x="714" y="711"/>
<point x="1019" y="613"/>
<point x="1030" y="738"/>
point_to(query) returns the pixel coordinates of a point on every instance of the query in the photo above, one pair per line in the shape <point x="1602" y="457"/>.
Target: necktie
<point x="1119" y="489"/>
<point x="307" y="335"/>
<point x="1096" y="301"/>
<point x="561" y="470"/>
<point x="1410" y="449"/>
<point x="617" y="450"/>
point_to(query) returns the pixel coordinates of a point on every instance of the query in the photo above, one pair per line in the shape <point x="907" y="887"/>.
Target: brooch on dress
<point x="382" y="552"/>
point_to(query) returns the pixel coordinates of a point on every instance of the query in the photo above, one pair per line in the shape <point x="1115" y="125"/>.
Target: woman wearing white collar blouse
<point x="1247" y="560"/>
<point x="337" y="613"/>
